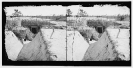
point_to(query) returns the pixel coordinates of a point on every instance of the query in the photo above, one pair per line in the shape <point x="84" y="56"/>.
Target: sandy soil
<point x="12" y="45"/>
<point x="76" y="45"/>
<point x="56" y="38"/>
<point x="102" y="50"/>
<point x="120" y="38"/>
<point x="36" y="50"/>
<point x="113" y="43"/>
<point x="57" y="44"/>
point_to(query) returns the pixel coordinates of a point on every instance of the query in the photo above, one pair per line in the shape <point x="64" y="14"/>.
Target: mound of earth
<point x="120" y="38"/>
<point x="29" y="35"/>
<point x="91" y="34"/>
<point x="12" y="45"/>
<point x="36" y="50"/>
<point x="56" y="39"/>
<point x="24" y="34"/>
<point x="102" y="50"/>
<point x="76" y="46"/>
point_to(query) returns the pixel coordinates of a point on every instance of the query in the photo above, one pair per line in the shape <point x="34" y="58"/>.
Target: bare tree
<point x="17" y="13"/>
<point x="82" y="13"/>
<point x="69" y="12"/>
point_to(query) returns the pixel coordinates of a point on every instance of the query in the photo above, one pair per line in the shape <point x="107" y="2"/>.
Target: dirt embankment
<point x="36" y="50"/>
<point x="76" y="46"/>
<point x="121" y="39"/>
<point x="102" y="50"/>
<point x="90" y="34"/>
<point x="56" y="39"/>
<point x="12" y="45"/>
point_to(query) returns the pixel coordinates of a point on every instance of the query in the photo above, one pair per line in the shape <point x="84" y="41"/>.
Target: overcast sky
<point x="33" y="11"/>
<point x="101" y="10"/>
<point x="60" y="10"/>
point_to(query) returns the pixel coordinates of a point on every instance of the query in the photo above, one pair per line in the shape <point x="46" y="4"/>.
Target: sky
<point x="96" y="10"/>
<point x="101" y="10"/>
<point x="33" y="10"/>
